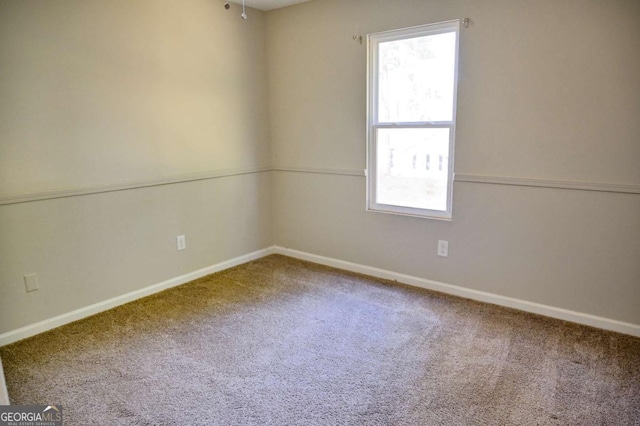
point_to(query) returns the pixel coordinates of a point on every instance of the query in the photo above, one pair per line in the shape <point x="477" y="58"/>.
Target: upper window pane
<point x="416" y="79"/>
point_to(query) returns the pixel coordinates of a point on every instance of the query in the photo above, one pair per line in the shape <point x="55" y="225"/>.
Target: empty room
<point x="320" y="212"/>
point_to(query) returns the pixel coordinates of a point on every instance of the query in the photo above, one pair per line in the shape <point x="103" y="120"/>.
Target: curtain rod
<point x="465" y="22"/>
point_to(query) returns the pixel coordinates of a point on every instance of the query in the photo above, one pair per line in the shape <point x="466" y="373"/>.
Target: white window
<point x="412" y="88"/>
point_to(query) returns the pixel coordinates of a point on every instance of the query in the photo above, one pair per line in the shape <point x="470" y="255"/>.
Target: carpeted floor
<point x="281" y="341"/>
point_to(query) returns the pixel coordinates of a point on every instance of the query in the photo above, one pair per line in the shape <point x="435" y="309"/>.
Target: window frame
<point x="373" y="124"/>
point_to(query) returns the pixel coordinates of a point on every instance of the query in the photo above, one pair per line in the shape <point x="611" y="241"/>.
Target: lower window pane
<point x="413" y="168"/>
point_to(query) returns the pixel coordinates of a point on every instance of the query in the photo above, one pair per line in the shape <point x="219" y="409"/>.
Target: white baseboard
<point x="523" y="305"/>
<point x="42" y="326"/>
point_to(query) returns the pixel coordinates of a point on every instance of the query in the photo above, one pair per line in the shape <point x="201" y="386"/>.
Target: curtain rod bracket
<point x="358" y="37"/>
<point x="466" y="22"/>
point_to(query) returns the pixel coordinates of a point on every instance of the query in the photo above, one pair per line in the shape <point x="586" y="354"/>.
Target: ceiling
<point x="268" y="4"/>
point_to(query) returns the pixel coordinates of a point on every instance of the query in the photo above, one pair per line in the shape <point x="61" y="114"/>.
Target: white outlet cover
<point x="31" y="282"/>
<point x="443" y="248"/>
<point x="182" y="242"/>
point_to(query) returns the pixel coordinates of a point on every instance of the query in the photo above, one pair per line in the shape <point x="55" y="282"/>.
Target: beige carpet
<point x="281" y="341"/>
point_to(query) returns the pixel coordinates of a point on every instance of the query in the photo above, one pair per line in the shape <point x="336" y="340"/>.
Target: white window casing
<point x="418" y="97"/>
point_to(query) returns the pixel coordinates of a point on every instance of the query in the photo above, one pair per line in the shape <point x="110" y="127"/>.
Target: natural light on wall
<point x="411" y="115"/>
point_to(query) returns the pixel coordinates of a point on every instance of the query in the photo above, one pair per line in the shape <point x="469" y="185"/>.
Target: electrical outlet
<point x="31" y="282"/>
<point x="443" y="248"/>
<point x="182" y="242"/>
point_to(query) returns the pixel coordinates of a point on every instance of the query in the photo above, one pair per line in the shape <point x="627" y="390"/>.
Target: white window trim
<point x="373" y="124"/>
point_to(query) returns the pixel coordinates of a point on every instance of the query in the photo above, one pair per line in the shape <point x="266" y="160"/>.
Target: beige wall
<point x="112" y="92"/>
<point x="548" y="90"/>
<point x="109" y="92"/>
<point x="93" y="248"/>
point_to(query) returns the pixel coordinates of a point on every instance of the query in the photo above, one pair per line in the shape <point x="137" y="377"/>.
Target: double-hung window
<point x="412" y="90"/>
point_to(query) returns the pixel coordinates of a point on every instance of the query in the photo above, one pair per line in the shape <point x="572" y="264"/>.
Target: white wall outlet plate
<point x="443" y="248"/>
<point x="182" y="242"/>
<point x="31" y="282"/>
